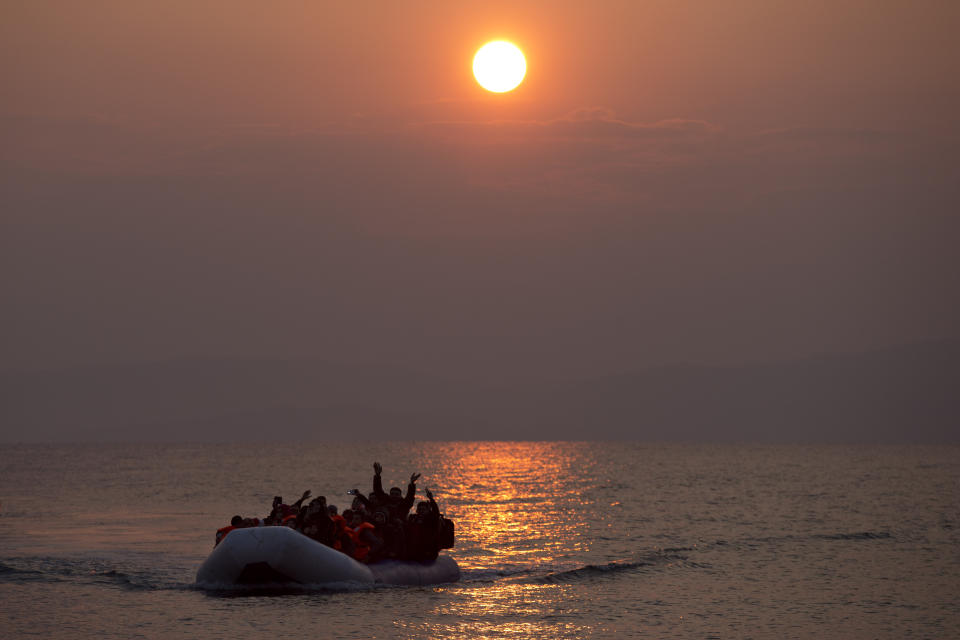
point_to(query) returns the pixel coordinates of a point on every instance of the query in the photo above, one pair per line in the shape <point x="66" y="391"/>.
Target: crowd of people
<point x="378" y="526"/>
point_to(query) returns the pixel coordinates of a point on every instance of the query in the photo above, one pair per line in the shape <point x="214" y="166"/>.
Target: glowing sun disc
<point x="499" y="66"/>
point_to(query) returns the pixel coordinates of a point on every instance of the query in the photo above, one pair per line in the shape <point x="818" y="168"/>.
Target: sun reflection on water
<point x="521" y="508"/>
<point x="516" y="500"/>
<point x="509" y="610"/>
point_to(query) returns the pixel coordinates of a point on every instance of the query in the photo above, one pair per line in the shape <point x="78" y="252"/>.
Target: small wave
<point x="16" y="574"/>
<point x="486" y="575"/>
<point x="861" y="535"/>
<point x="89" y="571"/>
<point x="124" y="580"/>
<point x="592" y="571"/>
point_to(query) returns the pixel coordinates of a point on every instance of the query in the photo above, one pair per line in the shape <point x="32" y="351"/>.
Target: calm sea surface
<point x="556" y="540"/>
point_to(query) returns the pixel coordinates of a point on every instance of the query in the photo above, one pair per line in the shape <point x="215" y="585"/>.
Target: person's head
<point x="277" y="501"/>
<point x="379" y="518"/>
<point x="332" y="509"/>
<point x="423" y="508"/>
<point x="236" y="521"/>
<point x="347" y="515"/>
<point x="357" y="504"/>
<point x="395" y="492"/>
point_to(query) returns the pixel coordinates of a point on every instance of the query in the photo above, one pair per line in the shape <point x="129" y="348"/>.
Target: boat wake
<point x="136" y="571"/>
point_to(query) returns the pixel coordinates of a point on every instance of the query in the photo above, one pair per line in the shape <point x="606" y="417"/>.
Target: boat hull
<point x="280" y="555"/>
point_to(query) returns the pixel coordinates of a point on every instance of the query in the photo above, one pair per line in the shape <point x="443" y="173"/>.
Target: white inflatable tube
<point x="278" y="555"/>
<point x="443" y="569"/>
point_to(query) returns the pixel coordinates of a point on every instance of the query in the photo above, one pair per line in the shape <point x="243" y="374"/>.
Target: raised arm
<point x="434" y="516"/>
<point x="298" y="503"/>
<point x="378" y="483"/>
<point x="411" y="496"/>
<point x="363" y="500"/>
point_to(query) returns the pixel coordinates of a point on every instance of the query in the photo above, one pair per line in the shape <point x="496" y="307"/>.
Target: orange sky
<point x="786" y="169"/>
<point x="767" y="63"/>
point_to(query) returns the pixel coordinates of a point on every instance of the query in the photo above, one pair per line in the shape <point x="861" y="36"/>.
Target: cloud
<point x="593" y="124"/>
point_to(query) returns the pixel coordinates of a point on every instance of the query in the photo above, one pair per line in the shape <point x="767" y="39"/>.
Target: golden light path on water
<point x="525" y="507"/>
<point x="505" y="481"/>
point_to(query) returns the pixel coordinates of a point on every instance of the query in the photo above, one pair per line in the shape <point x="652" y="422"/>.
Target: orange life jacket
<point x="222" y="533"/>
<point x="360" y="548"/>
<point x="339" y="527"/>
<point x="287" y="519"/>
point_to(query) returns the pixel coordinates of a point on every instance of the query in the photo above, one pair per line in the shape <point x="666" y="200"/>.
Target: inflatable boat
<point x="280" y="555"/>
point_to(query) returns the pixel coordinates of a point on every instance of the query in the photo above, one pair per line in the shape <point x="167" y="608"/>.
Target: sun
<point x="499" y="66"/>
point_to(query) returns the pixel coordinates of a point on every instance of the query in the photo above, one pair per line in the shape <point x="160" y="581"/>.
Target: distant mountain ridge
<point x="900" y="394"/>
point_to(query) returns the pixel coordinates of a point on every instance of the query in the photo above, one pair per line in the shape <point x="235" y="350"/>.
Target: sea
<point x="554" y="540"/>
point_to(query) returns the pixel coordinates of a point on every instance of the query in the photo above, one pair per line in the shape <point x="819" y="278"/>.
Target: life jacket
<point x="339" y="527"/>
<point x="222" y="533"/>
<point x="360" y="548"/>
<point x="287" y="519"/>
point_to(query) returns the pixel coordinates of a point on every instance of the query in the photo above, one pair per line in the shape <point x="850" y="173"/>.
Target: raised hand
<point x="429" y="494"/>
<point x="306" y="494"/>
<point x="377" y="468"/>
<point x="413" y="478"/>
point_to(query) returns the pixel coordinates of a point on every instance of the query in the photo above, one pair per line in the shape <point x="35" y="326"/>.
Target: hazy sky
<point x="674" y="181"/>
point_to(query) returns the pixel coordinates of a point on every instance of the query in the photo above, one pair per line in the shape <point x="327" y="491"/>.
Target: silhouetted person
<point x="316" y="522"/>
<point x="236" y="522"/>
<point x="397" y="504"/>
<point x="390" y="532"/>
<point x="423" y="529"/>
<point x="361" y="504"/>
<point x="279" y="511"/>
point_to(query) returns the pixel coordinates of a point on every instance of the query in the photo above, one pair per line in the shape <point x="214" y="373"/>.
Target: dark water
<point x="556" y="540"/>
